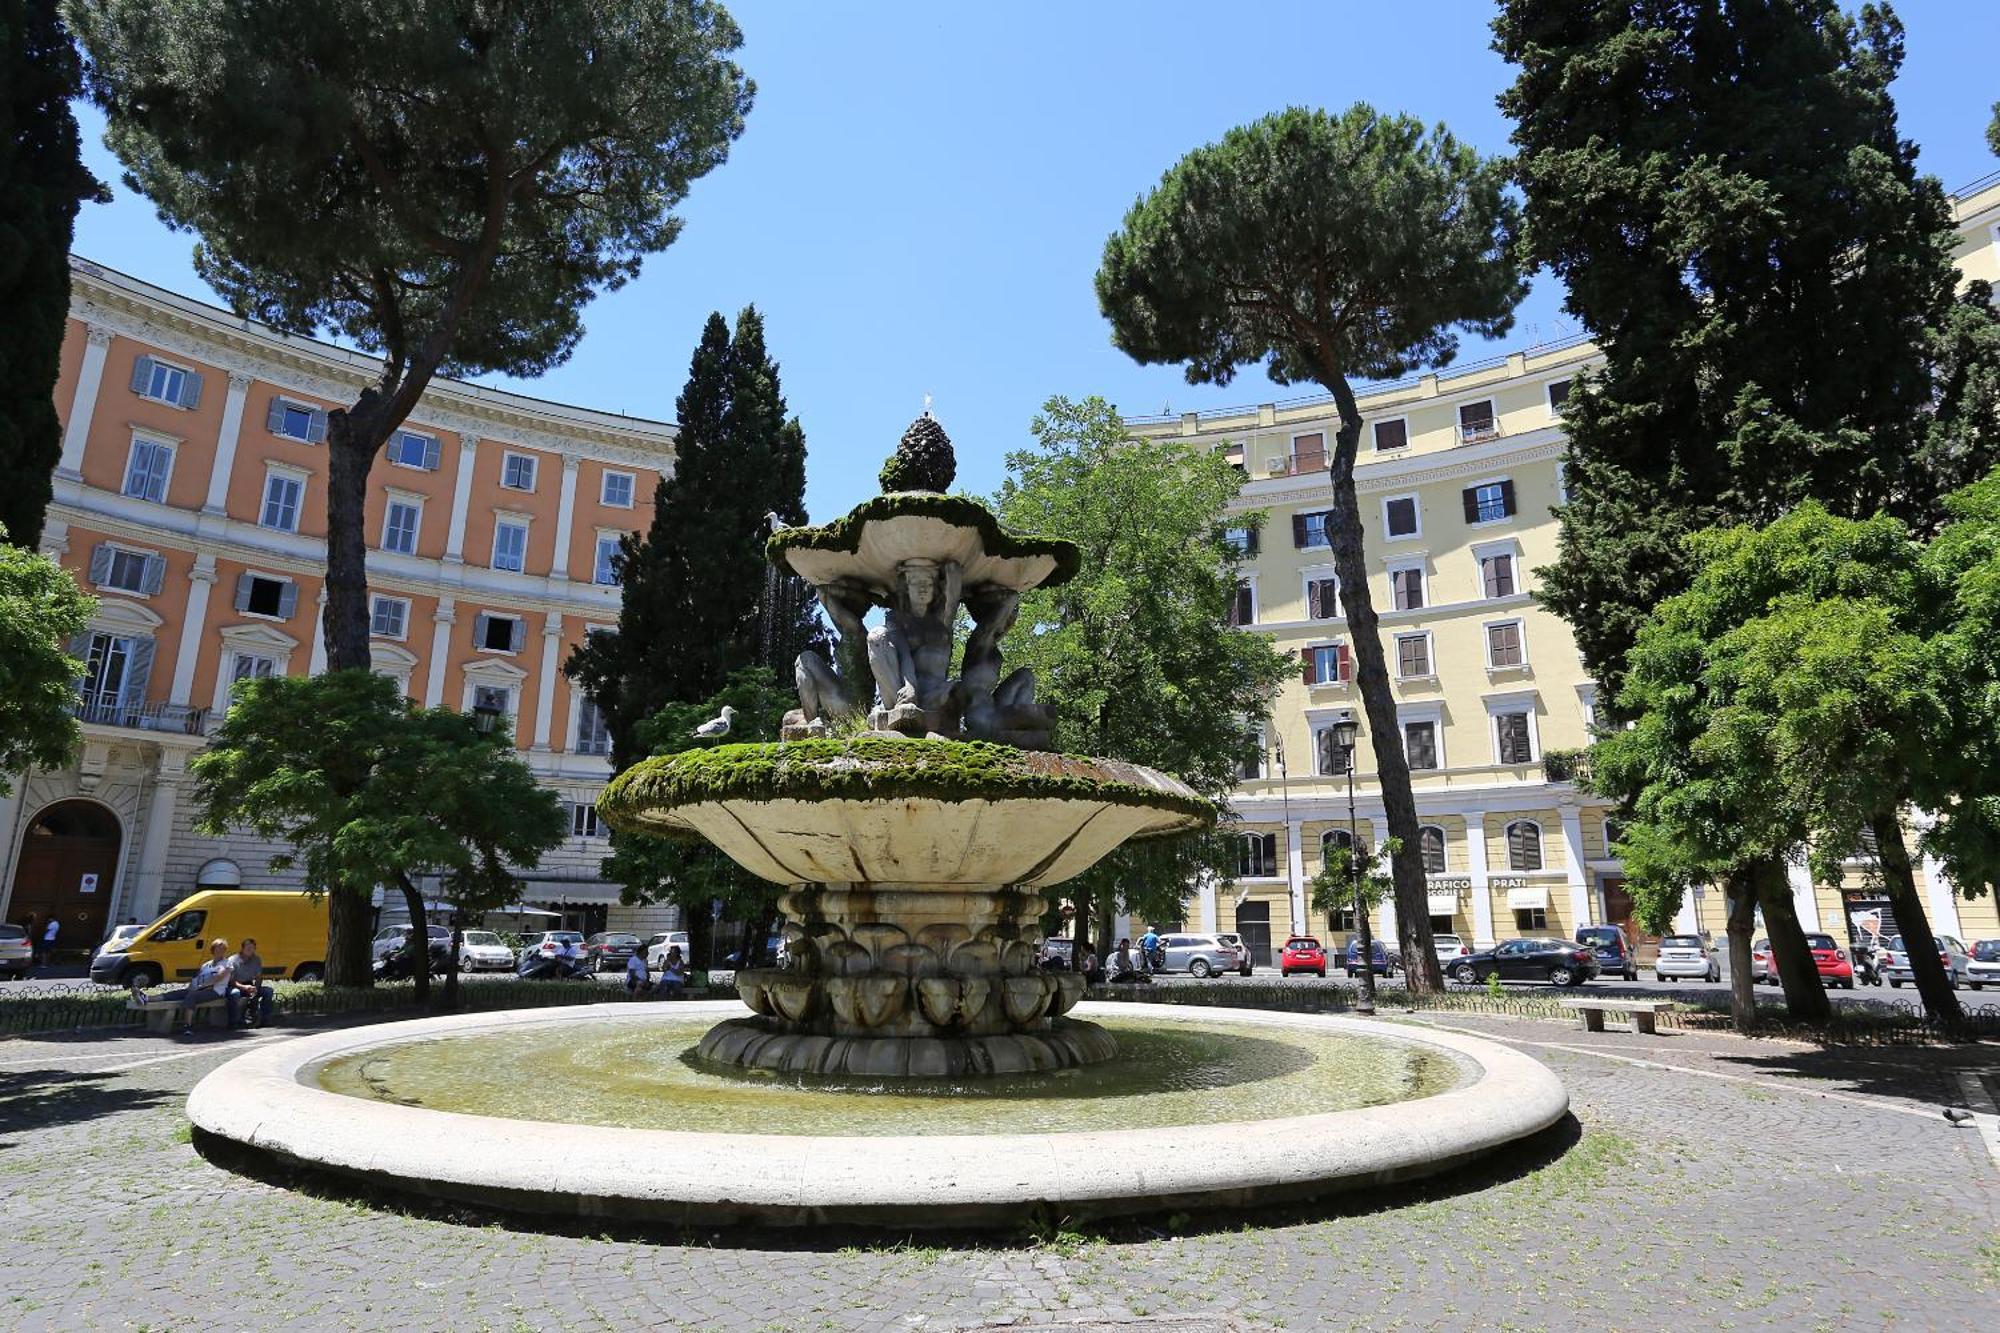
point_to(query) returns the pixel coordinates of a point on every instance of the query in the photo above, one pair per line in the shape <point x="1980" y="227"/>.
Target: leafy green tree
<point x="700" y="602"/>
<point x="1327" y="249"/>
<point x="1136" y="652"/>
<point x="41" y="609"/>
<point x="1993" y="130"/>
<point x="42" y="184"/>
<point x="370" y="789"/>
<point x="444" y="186"/>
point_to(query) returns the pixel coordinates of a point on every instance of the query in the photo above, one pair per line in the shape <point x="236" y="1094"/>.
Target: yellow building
<point x="1457" y="480"/>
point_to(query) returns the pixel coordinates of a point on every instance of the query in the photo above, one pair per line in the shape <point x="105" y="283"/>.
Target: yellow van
<point x="289" y="927"/>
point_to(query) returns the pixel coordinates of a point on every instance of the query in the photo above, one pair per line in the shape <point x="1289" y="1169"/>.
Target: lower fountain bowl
<point x="270" y="1105"/>
<point x="761" y="1043"/>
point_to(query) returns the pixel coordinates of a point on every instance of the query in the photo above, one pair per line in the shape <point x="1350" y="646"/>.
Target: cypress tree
<point x="42" y="184"/>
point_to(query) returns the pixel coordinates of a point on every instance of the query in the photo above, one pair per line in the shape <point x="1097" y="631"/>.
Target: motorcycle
<point x="1865" y="971"/>
<point x="551" y="967"/>
<point x="399" y="965"/>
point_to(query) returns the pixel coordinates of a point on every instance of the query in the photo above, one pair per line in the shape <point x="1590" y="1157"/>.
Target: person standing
<point x="29" y="924"/>
<point x="246" y="983"/>
<point x="49" y="933"/>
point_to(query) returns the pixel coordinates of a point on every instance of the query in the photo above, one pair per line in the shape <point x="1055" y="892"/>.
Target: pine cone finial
<point x="923" y="460"/>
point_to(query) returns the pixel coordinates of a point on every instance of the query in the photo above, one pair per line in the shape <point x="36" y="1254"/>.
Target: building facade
<point x="1458" y="478"/>
<point x="189" y="501"/>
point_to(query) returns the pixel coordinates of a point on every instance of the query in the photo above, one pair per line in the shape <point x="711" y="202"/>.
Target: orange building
<point x="190" y="502"/>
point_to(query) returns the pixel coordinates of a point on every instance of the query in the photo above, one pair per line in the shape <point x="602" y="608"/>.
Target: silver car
<point x="17" y="956"/>
<point x="1236" y="942"/>
<point x="1202" y="955"/>
<point x="1957" y="962"/>
<point x="1687" y="958"/>
<point x="1982" y="968"/>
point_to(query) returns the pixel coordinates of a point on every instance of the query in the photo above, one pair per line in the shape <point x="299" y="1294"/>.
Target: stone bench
<point x="1641" y="1012"/>
<point x="161" y="1014"/>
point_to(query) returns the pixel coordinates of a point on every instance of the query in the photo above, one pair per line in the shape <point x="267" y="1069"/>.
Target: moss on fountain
<point x="878" y="768"/>
<point x="844" y="534"/>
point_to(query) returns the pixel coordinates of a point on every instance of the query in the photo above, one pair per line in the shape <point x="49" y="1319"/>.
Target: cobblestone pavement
<point x="1706" y="1182"/>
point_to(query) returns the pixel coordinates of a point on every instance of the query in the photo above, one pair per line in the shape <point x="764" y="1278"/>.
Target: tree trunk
<point x="1915" y="924"/>
<point x="1741" y="895"/>
<point x="451" y="975"/>
<point x="1805" y="993"/>
<point x="347" y="929"/>
<point x="352" y="438"/>
<point x="700" y="927"/>
<point x="420" y="939"/>
<point x="1079" y="926"/>
<point x="1378" y="701"/>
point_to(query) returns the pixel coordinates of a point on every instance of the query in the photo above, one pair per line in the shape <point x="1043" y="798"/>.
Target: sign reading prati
<point x="1504" y="882"/>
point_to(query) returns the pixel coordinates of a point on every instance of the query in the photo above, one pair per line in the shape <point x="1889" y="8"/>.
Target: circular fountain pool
<point x="599" y="1111"/>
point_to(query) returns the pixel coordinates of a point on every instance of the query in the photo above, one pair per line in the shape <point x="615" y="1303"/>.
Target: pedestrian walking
<point x="49" y="933"/>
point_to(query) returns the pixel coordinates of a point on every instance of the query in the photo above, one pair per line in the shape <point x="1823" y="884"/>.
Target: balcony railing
<point x="179" y="719"/>
<point x="1472" y="432"/>
<point x="1566" y="765"/>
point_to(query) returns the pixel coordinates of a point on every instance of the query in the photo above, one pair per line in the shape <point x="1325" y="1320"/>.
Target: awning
<point x="518" y="910"/>
<point x="1535" y="895"/>
<point x="1443" y="904"/>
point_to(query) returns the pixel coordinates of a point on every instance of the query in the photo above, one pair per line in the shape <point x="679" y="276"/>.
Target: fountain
<point x="908" y="1063"/>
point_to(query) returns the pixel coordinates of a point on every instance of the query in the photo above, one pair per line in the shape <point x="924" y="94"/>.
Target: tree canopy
<point x="41" y="610"/>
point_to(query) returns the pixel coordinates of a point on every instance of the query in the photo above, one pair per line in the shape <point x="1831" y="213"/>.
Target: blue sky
<point x="923" y="190"/>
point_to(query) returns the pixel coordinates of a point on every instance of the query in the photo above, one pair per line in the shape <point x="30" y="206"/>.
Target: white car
<point x="483" y="951"/>
<point x="119" y="938"/>
<point x="1687" y="958"/>
<point x="657" y="946"/>
<point x="1449" y="949"/>
<point x="1982" y="967"/>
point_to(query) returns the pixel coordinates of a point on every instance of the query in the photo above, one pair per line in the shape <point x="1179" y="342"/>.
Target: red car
<point x="1302" y="953"/>
<point x="1835" y="968"/>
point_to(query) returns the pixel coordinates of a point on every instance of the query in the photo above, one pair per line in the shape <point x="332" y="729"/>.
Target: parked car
<point x="482" y="950"/>
<point x="17" y="956"/>
<point x="1302" y="953"/>
<point x="1761" y="966"/>
<point x="1982" y="965"/>
<point x="1558" y="962"/>
<point x="773" y="954"/>
<point x="390" y="938"/>
<point x="551" y="942"/>
<point x="657" y="946"/>
<point x="1957" y="963"/>
<point x="1202" y="955"/>
<point x="1835" y="967"/>
<point x="118" y="940"/>
<point x="1449" y="949"/>
<point x="1236" y="941"/>
<point x="609" y="949"/>
<point x="1687" y="958"/>
<point x="1614" y="952"/>
<point x="1384" y="963"/>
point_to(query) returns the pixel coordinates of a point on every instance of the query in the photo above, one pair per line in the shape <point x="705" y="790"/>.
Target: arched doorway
<point x="68" y="867"/>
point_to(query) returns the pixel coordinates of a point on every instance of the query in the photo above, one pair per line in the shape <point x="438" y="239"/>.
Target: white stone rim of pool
<point x="260" y="1100"/>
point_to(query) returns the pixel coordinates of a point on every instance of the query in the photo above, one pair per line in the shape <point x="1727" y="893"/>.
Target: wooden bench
<point x="1641" y="1012"/>
<point x="161" y="1014"/>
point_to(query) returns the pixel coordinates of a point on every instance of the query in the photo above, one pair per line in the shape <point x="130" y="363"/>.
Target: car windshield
<point x="1820" y="942"/>
<point x="1444" y="939"/>
<point x="621" y="941"/>
<point x="1987" y="951"/>
<point x="1680" y="942"/>
<point x="1896" y="944"/>
<point x="566" y="936"/>
<point x="1301" y="944"/>
<point x="1597" y="935"/>
<point x="481" y="937"/>
<point x="13" y="932"/>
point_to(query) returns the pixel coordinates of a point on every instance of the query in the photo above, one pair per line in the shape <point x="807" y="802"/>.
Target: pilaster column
<point x="1295" y="874"/>
<point x="10" y="831"/>
<point x="1940" y="900"/>
<point x="565" y="516"/>
<point x="317" y="662"/>
<point x="1581" y="911"/>
<point x="1482" y="889"/>
<point x="143" y="900"/>
<point x="1804" y="901"/>
<point x="441" y="622"/>
<point x="55" y="538"/>
<point x="1205" y="895"/>
<point x="225" y="444"/>
<point x="461" y="498"/>
<point x="90" y="378"/>
<point x="193" y="624"/>
<point x="545" y="687"/>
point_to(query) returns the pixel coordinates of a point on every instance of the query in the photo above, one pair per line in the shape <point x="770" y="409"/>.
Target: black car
<point x="1557" y="962"/>
<point x="1614" y="952"/>
<point x="609" y="949"/>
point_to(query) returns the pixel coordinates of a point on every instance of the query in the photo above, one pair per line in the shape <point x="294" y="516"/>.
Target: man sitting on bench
<point x="212" y="982"/>
<point x="246" y="984"/>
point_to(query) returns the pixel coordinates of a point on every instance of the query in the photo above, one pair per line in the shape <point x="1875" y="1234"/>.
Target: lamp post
<point x="1345" y="733"/>
<point x="1285" y="799"/>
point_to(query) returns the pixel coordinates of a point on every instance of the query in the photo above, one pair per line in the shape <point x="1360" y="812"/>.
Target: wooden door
<point x="67" y="868"/>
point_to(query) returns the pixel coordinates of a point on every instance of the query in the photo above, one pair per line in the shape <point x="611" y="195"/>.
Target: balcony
<point x="1296" y="465"/>
<point x="1474" y="431"/>
<point x="1566" y="766"/>
<point x="176" y="719"/>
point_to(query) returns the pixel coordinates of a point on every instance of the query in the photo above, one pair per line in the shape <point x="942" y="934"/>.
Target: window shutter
<point x="520" y="635"/>
<point x="1507" y="498"/>
<point x="138" y="673"/>
<point x="288" y="600"/>
<point x="1306" y="667"/>
<point x="274" y="416"/>
<point x="430" y="455"/>
<point x="142" y="373"/>
<point x="100" y="563"/>
<point x="243" y="582"/>
<point x="1471" y="497"/>
<point x="1299" y="532"/>
<point x="191" y="390"/>
<point x="316" y="428"/>
<point x="156" y="574"/>
<point x="479" y="629"/>
<point x="1346" y="662"/>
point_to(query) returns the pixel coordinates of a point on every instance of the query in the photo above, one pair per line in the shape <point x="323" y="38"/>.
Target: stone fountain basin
<point x="269" y="1103"/>
<point x="909" y="812"/>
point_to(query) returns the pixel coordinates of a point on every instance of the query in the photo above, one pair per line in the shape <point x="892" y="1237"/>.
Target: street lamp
<point x="1345" y="733"/>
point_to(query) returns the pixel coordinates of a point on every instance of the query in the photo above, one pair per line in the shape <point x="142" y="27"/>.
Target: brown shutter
<point x="1507" y="498"/>
<point x="1299" y="532"/>
<point x="1471" y="497"/>
<point x="1306" y="666"/>
<point x="1346" y="663"/>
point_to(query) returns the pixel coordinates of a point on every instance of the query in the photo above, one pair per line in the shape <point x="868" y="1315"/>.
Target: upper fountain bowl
<point x="868" y="545"/>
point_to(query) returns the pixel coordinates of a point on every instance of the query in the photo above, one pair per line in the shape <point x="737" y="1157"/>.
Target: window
<point x="517" y="472"/>
<point x="1250" y="768"/>
<point x="1330" y="758"/>
<point x="1399" y="517"/>
<point x="1475" y="421"/>
<point x="1496" y="574"/>
<point x="497" y="633"/>
<point x="491" y="703"/>
<point x="1524" y="845"/>
<point x="1503" y="645"/>
<point x="146" y="471"/>
<point x="1334" y="843"/>
<point x="389" y="617"/>
<point x="1406" y="588"/>
<point x="251" y="666"/>
<point x="1327" y="664"/>
<point x="296" y="421"/>
<point x="1258" y="858"/>
<point x="1515" y="741"/>
<point x="1323" y="598"/>
<point x="173" y="385"/>
<point x="116" y="568"/>
<point x="593" y="734"/>
<point x="583" y="821"/>
<point x="408" y="448"/>
<point x="616" y="490"/>
<point x="282" y="495"/>
<point x="1531" y="918"/>
<point x="1613" y="831"/>
<point x="1308" y="453"/>
<point x="399" y="526"/>
<point x="1489" y="502"/>
<point x="1558" y="396"/>
<point x="607" y="559"/>
<point x="510" y="544"/>
<point x="107" y="664"/>
<point x="1309" y="529"/>
<point x="1392" y="434"/>
<point x="1243" y="608"/>
<point x="1413" y="656"/>
<point x="266" y="595"/>
<point x="187" y="926"/>
<point x="1340" y="921"/>
<point x="1420" y="744"/>
<point x="1243" y="541"/>
<point x="1430" y="845"/>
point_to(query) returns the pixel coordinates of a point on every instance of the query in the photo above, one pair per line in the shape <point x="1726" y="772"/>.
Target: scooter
<point x="397" y="965"/>
<point x="1865" y="971"/>
<point x="550" y="967"/>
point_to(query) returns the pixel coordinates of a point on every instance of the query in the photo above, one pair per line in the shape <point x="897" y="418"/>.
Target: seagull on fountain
<point x="716" y="727"/>
<point x="775" y="521"/>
